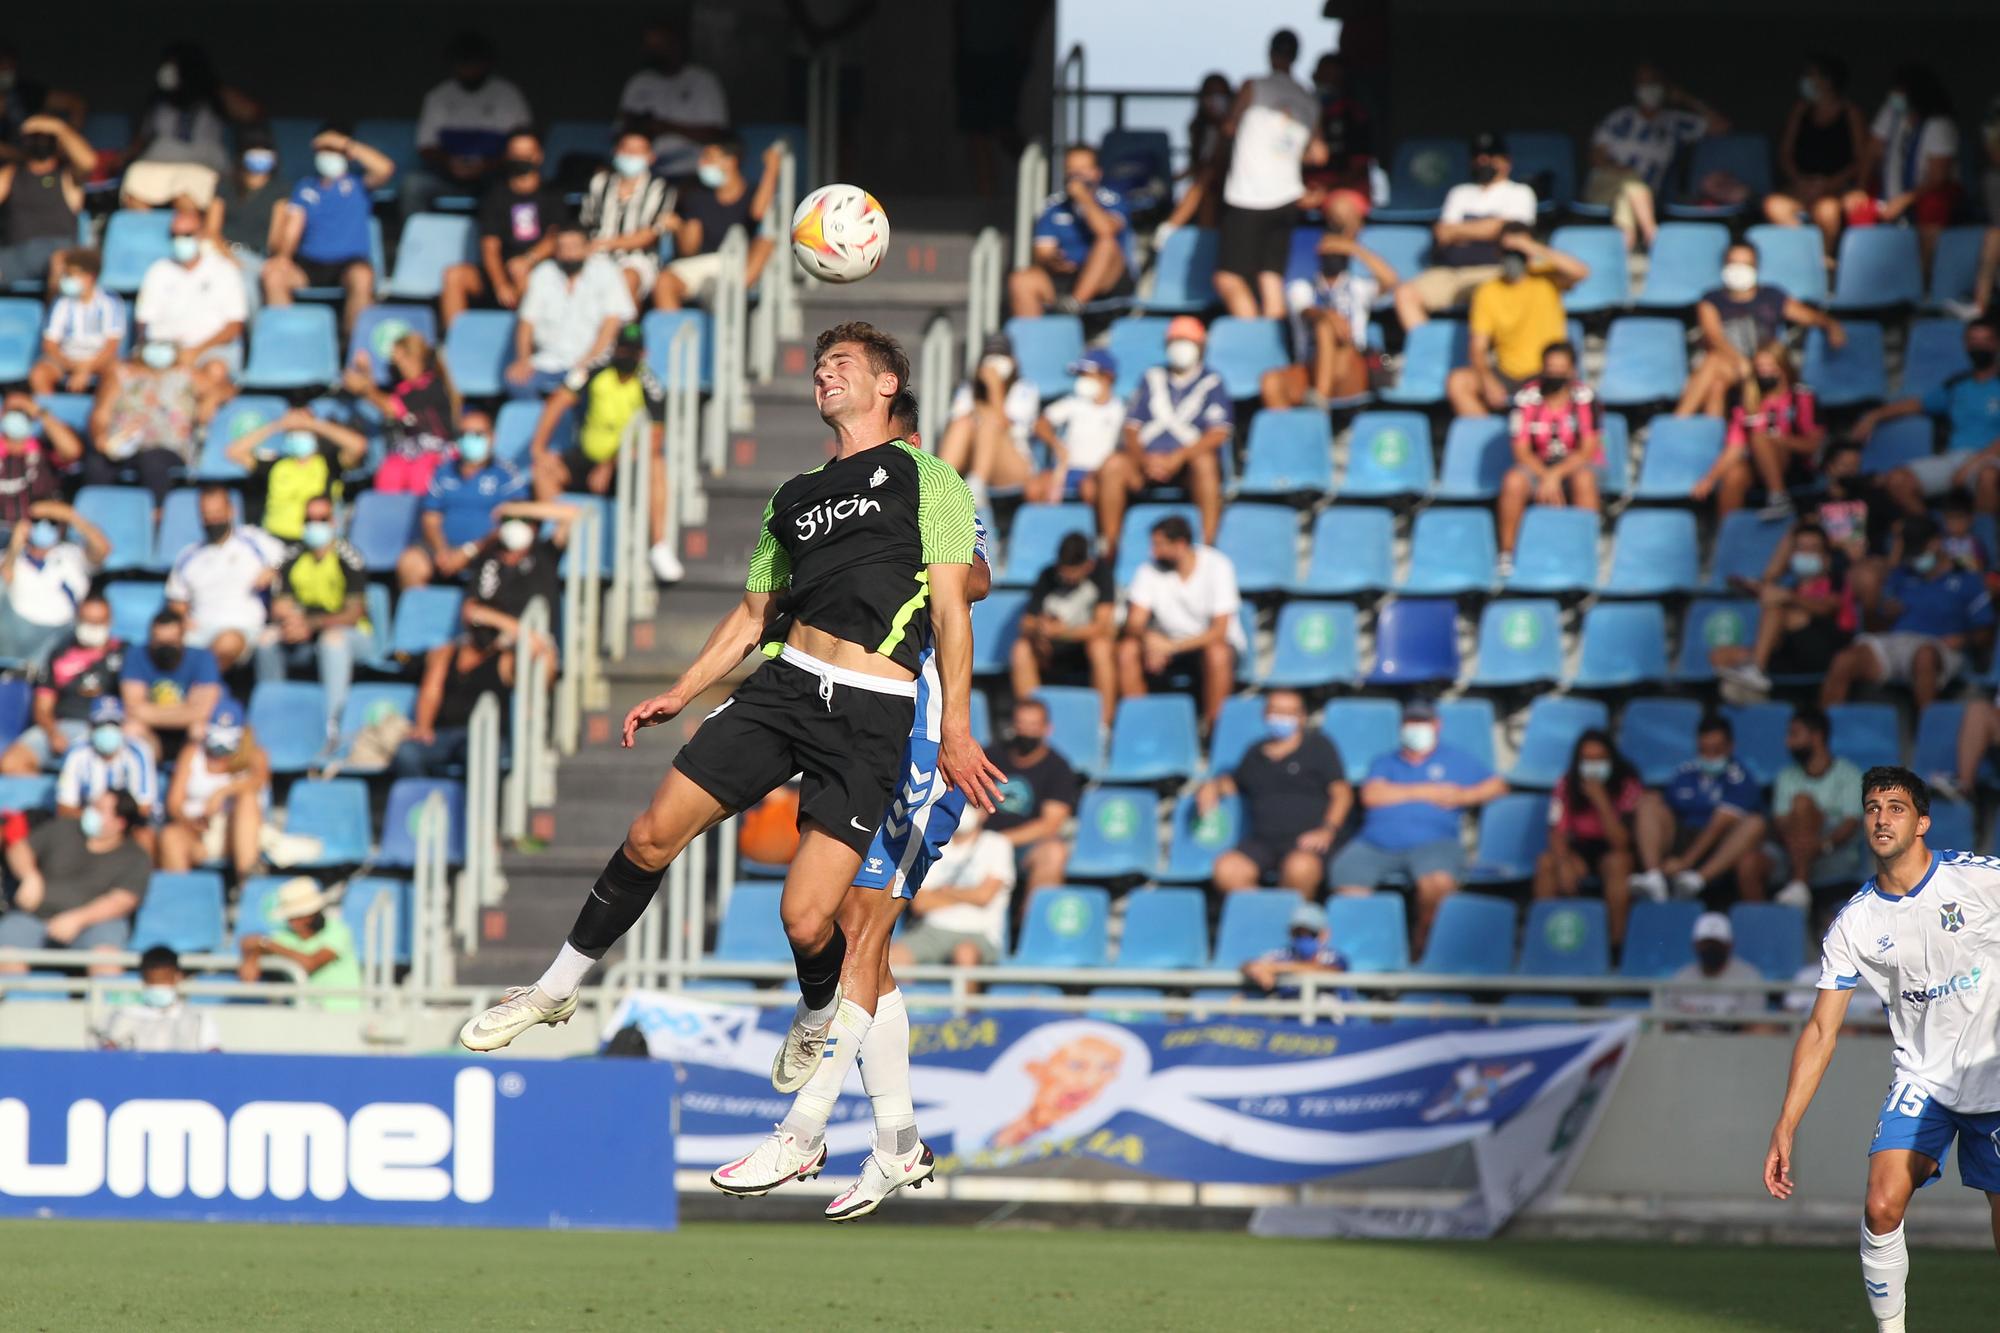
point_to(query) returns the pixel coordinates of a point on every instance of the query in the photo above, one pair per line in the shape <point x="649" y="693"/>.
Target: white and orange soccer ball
<point x="840" y="233"/>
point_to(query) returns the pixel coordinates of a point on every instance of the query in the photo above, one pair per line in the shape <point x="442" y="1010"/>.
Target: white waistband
<point x="827" y="672"/>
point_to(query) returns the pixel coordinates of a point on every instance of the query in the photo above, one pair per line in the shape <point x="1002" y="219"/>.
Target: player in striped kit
<point x="1924" y="934"/>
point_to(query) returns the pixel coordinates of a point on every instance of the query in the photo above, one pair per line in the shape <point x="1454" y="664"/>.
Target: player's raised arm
<point x="732" y="639"/>
<point x="1809" y="1061"/>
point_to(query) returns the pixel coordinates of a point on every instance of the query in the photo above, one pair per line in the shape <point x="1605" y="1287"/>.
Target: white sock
<point x="814" y="1104"/>
<point x="815" y="1018"/>
<point x="566" y="973"/>
<point x="885" y="1075"/>
<point x="1885" y="1268"/>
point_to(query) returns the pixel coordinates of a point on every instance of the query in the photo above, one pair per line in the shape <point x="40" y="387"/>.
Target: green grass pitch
<point x="736" y="1276"/>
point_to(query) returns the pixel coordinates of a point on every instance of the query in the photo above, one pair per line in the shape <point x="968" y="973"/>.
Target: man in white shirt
<point x="193" y="299"/>
<point x="162" y="1020"/>
<point x="1081" y="429"/>
<point x="680" y="104"/>
<point x="1183" y="620"/>
<point x="463" y="124"/>
<point x="46" y="578"/>
<point x="961" y="910"/>
<point x="220" y="582"/>
<point x="1715" y="960"/>
<point x="571" y="310"/>
<point x="1465" y="248"/>
<point x="1275" y="126"/>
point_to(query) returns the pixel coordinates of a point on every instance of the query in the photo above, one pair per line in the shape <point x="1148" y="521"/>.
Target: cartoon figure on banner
<point x="1473" y="1089"/>
<point x="1071" y="1076"/>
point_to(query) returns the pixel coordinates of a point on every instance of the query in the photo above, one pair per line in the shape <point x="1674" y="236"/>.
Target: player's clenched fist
<point x="660" y="708"/>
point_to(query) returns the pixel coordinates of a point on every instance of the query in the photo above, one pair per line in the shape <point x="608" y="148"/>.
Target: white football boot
<point x="508" y="1019"/>
<point x="779" y="1158"/>
<point x="882" y="1174"/>
<point x="800" y="1052"/>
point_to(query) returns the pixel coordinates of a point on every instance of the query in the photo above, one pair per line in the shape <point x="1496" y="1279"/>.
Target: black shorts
<point x="1806" y="652"/>
<point x="1268" y="855"/>
<point x="1120" y="286"/>
<point x="1180" y="666"/>
<point x="1256" y="240"/>
<point x="320" y="274"/>
<point x="578" y="465"/>
<point x="846" y="740"/>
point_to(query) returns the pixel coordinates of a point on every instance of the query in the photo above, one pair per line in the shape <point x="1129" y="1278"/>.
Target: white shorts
<point x="1897" y="654"/>
<point x="161" y="183"/>
<point x="646" y="263"/>
<point x="1934" y="474"/>
<point x="699" y="274"/>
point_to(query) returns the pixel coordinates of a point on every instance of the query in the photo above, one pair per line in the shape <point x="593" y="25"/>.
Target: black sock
<point x="616" y="902"/>
<point x="819" y="974"/>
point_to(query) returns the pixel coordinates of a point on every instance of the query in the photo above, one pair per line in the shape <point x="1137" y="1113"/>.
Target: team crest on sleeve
<point x="1952" y="917"/>
<point x="880" y="475"/>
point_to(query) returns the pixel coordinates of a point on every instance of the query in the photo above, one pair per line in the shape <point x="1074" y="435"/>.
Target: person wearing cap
<point x="1634" y="146"/>
<point x="987" y="425"/>
<point x="613" y="389"/>
<point x="1517" y="316"/>
<point x="1413" y="799"/>
<point x="1308" y="950"/>
<point x="1177" y="423"/>
<point x="1081" y="430"/>
<point x="1069" y="626"/>
<point x="222" y="583"/>
<point x="216" y="800"/>
<point x="1079" y="248"/>
<point x="572" y="306"/>
<point x="1466" y="249"/>
<point x="318" y="606"/>
<point x="457" y="512"/>
<point x="1182" y="621"/>
<point x="46" y="575"/>
<point x="1708" y="822"/>
<point x="310" y="934"/>
<point x="1330" y="312"/>
<point x="1295" y="796"/>
<point x="162" y="1020"/>
<point x="81" y="665"/>
<point x="113" y="761"/>
<point x="293" y="458"/>
<point x="77" y="883"/>
<point x="1715" y="961"/>
<point x="1274" y="130"/>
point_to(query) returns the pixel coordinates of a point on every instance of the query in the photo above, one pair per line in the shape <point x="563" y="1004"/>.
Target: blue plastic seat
<point x="1254" y="922"/>
<point x="1477" y="454"/>
<point x="426" y="618"/>
<point x="20" y="337"/>
<point x="1416" y="641"/>
<point x="133" y="606"/>
<point x="1430" y="353"/>
<point x="1645" y="361"/>
<point x="1609" y="285"/>
<point x="364" y="700"/>
<point x="1857" y="373"/>
<point x="72" y="409"/>
<point x="125" y="515"/>
<point x="1290" y="455"/>
<point x="1867" y="734"/>
<point x="1473" y="935"/>
<point x="1153" y="738"/>
<point x="1951" y="827"/>
<point x="1388" y="456"/>
<point x="1195" y="840"/>
<point x="1316" y="645"/>
<point x="382" y="525"/>
<point x="1038" y="530"/>
<point x="1955" y="264"/>
<point x="292" y="347"/>
<point x="1117" y="834"/>
<point x="363" y="892"/>
<point x="751" y="930"/>
<point x="334" y="810"/>
<point x="1657" y="736"/>
<point x="289" y="717"/>
<point x="1165" y="928"/>
<point x="1138" y="342"/>
<point x="1659" y="939"/>
<point x="1554" y="723"/>
<point x="1679" y="453"/>
<point x="30" y="792"/>
<point x="399" y="821"/>
<point x="180" y="526"/>
<point x="1467" y="724"/>
<point x="1402" y="247"/>
<point x="132" y="242"/>
<point x="1686" y="262"/>
<point x="1135" y="539"/>
<point x="1513" y="832"/>
<point x="1557" y="552"/>
<point x="1065" y="927"/>
<point x="380" y="327"/>
<point x="478" y="347"/>
<point x="1520" y="643"/>
<point x="1771" y="937"/>
<point x="182" y="910"/>
<point x="428" y="244"/>
<point x="1363" y="730"/>
<point x="1044" y="347"/>
<point x="1239" y="726"/>
<point x="1351" y="552"/>
<point x="1262" y="541"/>
<point x="1937" y="739"/>
<point x="1747" y="157"/>
<point x="1451" y="552"/>
<point x="996" y="623"/>
<point x="1624" y="644"/>
<point x="1880" y="268"/>
<point x="254" y="901"/>
<point x="1653" y="552"/>
<point x="237" y="417"/>
<point x="1242" y="350"/>
<point x="1614" y="470"/>
<point x="1743" y="547"/>
<point x="1184" y="272"/>
<point x="1713" y="623"/>
<point x="15" y="697"/>
<point x="1932" y="354"/>
<point x="1546" y="160"/>
<point x="1895" y="443"/>
<point x="1760" y="738"/>
<point x="1791" y="258"/>
<point x="1076" y="725"/>
<point x="660" y="328"/>
<point x="1371" y="932"/>
<point x="1566" y="937"/>
<point x="1421" y="173"/>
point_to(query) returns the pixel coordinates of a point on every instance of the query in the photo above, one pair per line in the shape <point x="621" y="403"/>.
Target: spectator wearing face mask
<point x="112" y="762"/>
<point x="1069" y="626"/>
<point x="1274" y="126"/>
<point x="320" y="238"/>
<point x="457" y="675"/>
<point x="1736" y="319"/>
<point x="1634" y="146"/>
<point x="317" y="609"/>
<point x="294" y="459"/>
<point x="1079" y="243"/>
<point x="309" y="933"/>
<point x="1816" y="812"/>
<point x="1081" y="430"/>
<point x="1715" y="961"/>
<point x="717" y="199"/>
<point x="240" y="218"/>
<point x="83" y="665"/>
<point x="35" y="444"/>
<point x="517" y="219"/>
<point x="1774" y="436"/>
<point x="989" y="421"/>
<point x="1209" y="146"/>
<point x="85" y="328"/>
<point x="464" y="123"/>
<point x="1707" y="824"/>
<point x="1308" y="951"/>
<point x="1467" y="249"/>
<point x="681" y="104"/>
<point x="1820" y="153"/>
<point x="1039" y="797"/>
<point x="168" y="688"/>
<point x="1330" y="314"/>
<point x="1803" y="622"/>
<point x="1182" y="620"/>
<point x="181" y="149"/>
<point x="162" y="1020"/>
<point x="1176" y="426"/>
<point x="1967" y="405"/>
<point x="1936" y="615"/>
<point x="1516" y="317"/>
<point x="223" y="581"/>
<point x="192" y="300"/>
<point x="1913" y="158"/>
<point x="142" y="426"/>
<point x="457" y="512"/>
<point x="419" y="412"/>
<point x="1557" y="447"/>
<point x="216" y="800"/>
<point x="571" y="310"/>
<point x="41" y="197"/>
<point x="1296" y="799"/>
<point x="623" y="211"/>
<point x="77" y="883"/>
<point x="1590" y="828"/>
<point x="516" y="566"/>
<point x="961" y="911"/>
<point x="45" y="577"/>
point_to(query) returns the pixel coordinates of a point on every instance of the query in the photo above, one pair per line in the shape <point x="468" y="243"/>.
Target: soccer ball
<point x="839" y="233"/>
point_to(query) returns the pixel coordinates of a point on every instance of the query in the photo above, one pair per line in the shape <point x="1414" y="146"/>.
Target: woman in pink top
<point x="1556" y="447"/>
<point x="1774" y="436"/>
<point x="419" y="412"/>
<point x="1590" y="828"/>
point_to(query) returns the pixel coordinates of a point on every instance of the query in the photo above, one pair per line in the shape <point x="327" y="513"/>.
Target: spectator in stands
<point x="1978" y="737"/>
<point x="221" y="582"/>
<point x="168" y="688"/>
<point x="1914" y="158"/>
<point x="1516" y="317"/>
<point x="193" y="300"/>
<point x="681" y="104"/>
<point x="1774" y="435"/>
<point x="961" y="911"/>
<point x="1557" y="447"/>
<point x="321" y="237"/>
<point x="216" y="800"/>
<point x="240" y="218"/>
<point x="1737" y="319"/>
<point x="571" y="309"/>
<point x="517" y="218"/>
<point x="1182" y="621"/>
<point x="1309" y="950"/>
<point x="82" y="666"/>
<point x="1958" y="542"/>
<point x="77" y="883"/>
<point x="1708" y="823"/>
<point x="181" y="149"/>
<point x="458" y="508"/>
<point x="718" y="198"/>
<point x="1816" y="811"/>
<point x="317" y="608"/>
<point x="419" y="411"/>
<point x="1039" y="797"/>
<point x="1081" y="430"/>
<point x="1330" y="314"/>
<point x="1295" y="799"/>
<point x="1590" y="828"/>
<point x="1080" y="236"/>
<point x="517" y="566"/>
<point x="1803" y="618"/>
<point x="113" y="761"/>
<point x="464" y="124"/>
<point x="23" y="97"/>
<point x="457" y="675"/>
<point x="314" y="937"/>
<point x="1936" y="615"/>
<point x="143" y="423"/>
<point x="35" y="445"/>
<point x="1341" y="187"/>
<point x="1209" y="145"/>
<point x="1412" y="800"/>
<point x="1820" y="154"/>
<point x="1069" y="626"/>
<point x="85" y="329"/>
<point x="624" y="211"/>
<point x="1176" y="426"/>
<point x="1715" y="961"/>
<point x="293" y="459"/>
<point x="162" y="1020"/>
<point x="1467" y="240"/>
<point x="41" y="197"/>
<point x="1634" y="146"/>
<point x="986" y="435"/>
<point x="46" y="576"/>
<point x="1968" y="405"/>
<point x="1274" y="126"/>
<point x="1849" y="507"/>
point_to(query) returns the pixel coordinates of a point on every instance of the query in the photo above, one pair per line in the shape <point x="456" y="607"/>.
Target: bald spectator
<point x="222" y="583"/>
<point x="1039" y="798"/>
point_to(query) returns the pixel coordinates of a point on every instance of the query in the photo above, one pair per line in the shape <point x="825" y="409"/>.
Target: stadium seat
<point x="1117" y="834"/>
<point x="1240" y="725"/>
<point x="1351" y="552"/>
<point x="1044" y="347"/>
<point x="1657" y="736"/>
<point x="133" y="606"/>
<point x="132" y="241"/>
<point x="1856" y="374"/>
<point x="1513" y="831"/>
<point x="1037" y="531"/>
<point x="1135" y="540"/>
<point x="1954" y="265"/>
<point x="180" y="526"/>
<point x="20" y="337"/>
<point x="1659" y="939"/>
<point x="365" y="700"/>
<point x="478" y="347"/>
<point x="1556" y="552"/>
<point x="1363" y="730"/>
<point x="1679" y="453"/>
<point x="1371" y="932"/>
<point x="1709" y="624"/>
<point x="1416" y="642"/>
<point x="254" y="899"/>
<point x="16" y="695"/>
<point x="660" y="328"/>
<point x="1076" y="725"/>
<point x="1546" y="161"/>
<point x="289" y="717"/>
<point x="1894" y="443"/>
<point x="1565" y="937"/>
<point x="1138" y="342"/>
<point x="1429" y="354"/>
<point x="1645" y="362"/>
<point x="1614" y="470"/>
<point x="1653" y="552"/>
<point x="428" y="244"/>
<point x="1467" y="724"/>
<point x="1183" y="273"/>
<point x="751" y="931"/>
<point x="996" y="622"/>
<point x="72" y="409"/>
<point x="1746" y="157"/>
<point x="1932" y="354"/>
<point x="334" y="810"/>
<point x="1867" y="734"/>
<point x="1760" y="738"/>
<point x="1164" y="928"/>
<point x="1686" y="262"/>
<point x="125" y="515"/>
<point x="1743" y="548"/>
<point x="34" y="792"/>
<point x="1793" y="259"/>
<point x="1879" y="269"/>
<point x="381" y="327"/>
<point x="1609" y="285"/>
<point x="1154" y="738"/>
<point x="1473" y="935"/>
<point x="363" y="892"/>
<point x="1554" y="723"/>
<point x="1253" y="923"/>
<point x="427" y="617"/>
<point x="1520" y="643"/>
<point x="1388" y="456"/>
<point x="1241" y="350"/>
<point x="1402" y="247"/>
<point x="381" y="526"/>
<point x="182" y="910"/>
<point x="1451" y="553"/>
<point x="1316" y="645"/>
<point x="1420" y="174"/>
<point x="1771" y="937"/>
<point x="1289" y="456"/>
<point x="1937" y="739"/>
<point x="1195" y="840"/>
<point x="237" y="417"/>
<point x="1262" y="541"/>
<point x="293" y="347"/>
<point x="399" y="822"/>
<point x="1624" y="644"/>
<point x="1065" y="927"/>
<point x="1477" y="454"/>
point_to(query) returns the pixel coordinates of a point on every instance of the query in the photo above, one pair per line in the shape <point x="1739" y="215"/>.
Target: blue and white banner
<point x="257" y="1138"/>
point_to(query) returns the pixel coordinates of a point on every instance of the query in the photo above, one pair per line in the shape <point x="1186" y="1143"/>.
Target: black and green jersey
<point x="848" y="545"/>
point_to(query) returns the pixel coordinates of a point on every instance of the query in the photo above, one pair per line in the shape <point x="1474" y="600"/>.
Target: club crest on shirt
<point x="880" y="475"/>
<point x="1952" y="917"/>
<point x="1885" y="943"/>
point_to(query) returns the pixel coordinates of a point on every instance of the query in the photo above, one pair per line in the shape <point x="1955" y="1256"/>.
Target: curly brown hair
<point x="885" y="355"/>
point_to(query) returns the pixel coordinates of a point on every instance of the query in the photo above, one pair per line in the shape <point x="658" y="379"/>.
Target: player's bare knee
<point x="808" y="925"/>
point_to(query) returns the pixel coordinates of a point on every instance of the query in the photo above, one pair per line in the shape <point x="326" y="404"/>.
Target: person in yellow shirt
<point x="297" y="457"/>
<point x="1515" y="317"/>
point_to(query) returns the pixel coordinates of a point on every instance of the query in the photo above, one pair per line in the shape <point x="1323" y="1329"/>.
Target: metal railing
<point x="580" y="684"/>
<point x="480" y="882"/>
<point x="192" y="963"/>
<point x="776" y="314"/>
<point x="1031" y="186"/>
<point x="982" y="296"/>
<point x="530" y="777"/>
<point x="823" y="115"/>
<point x="432" y="962"/>
<point x="934" y="378"/>
<point x="1066" y="125"/>
<point x="379" y="938"/>
<point x="728" y="405"/>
